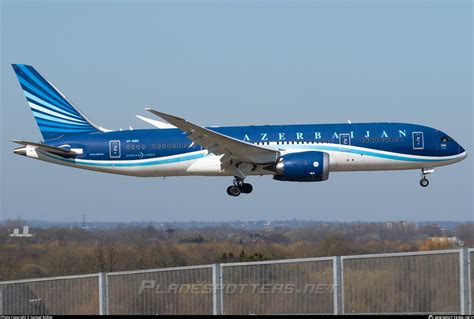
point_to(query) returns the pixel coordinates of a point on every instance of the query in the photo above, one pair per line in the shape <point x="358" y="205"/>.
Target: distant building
<point x="267" y="226"/>
<point x="16" y="232"/>
<point x="400" y="225"/>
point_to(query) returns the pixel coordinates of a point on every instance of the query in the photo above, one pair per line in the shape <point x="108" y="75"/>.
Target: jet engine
<point x="312" y="166"/>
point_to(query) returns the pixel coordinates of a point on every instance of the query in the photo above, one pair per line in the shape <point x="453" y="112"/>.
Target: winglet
<point x="164" y="115"/>
<point x="173" y="120"/>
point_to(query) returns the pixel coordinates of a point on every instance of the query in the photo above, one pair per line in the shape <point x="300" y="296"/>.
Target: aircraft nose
<point x="462" y="151"/>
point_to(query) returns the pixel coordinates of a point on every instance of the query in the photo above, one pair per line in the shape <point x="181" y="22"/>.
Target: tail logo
<point x="54" y="114"/>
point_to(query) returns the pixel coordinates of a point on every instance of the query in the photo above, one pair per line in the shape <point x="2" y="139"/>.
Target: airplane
<point x="294" y="153"/>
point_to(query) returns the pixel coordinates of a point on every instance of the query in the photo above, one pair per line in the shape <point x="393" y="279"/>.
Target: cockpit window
<point x="445" y="138"/>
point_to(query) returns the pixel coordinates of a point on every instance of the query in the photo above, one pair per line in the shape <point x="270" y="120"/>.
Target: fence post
<point x="337" y="284"/>
<point x="103" y="287"/>
<point x="217" y="289"/>
<point x="465" y="282"/>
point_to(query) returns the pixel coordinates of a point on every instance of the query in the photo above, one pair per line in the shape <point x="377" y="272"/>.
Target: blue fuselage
<point x="288" y="152"/>
<point x="399" y="138"/>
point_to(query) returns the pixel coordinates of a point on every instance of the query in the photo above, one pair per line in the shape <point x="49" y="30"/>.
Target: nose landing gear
<point x="424" y="182"/>
<point x="239" y="187"/>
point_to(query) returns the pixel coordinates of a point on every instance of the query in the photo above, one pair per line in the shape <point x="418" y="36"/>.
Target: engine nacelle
<point x="309" y="166"/>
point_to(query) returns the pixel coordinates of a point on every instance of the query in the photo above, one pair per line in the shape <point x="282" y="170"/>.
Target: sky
<point x="240" y="63"/>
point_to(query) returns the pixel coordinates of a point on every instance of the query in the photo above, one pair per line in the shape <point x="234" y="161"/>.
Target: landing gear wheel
<point x="424" y="182"/>
<point x="233" y="190"/>
<point x="246" y="188"/>
<point x="239" y="187"/>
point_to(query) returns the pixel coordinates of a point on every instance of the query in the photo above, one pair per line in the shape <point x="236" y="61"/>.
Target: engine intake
<point x="309" y="166"/>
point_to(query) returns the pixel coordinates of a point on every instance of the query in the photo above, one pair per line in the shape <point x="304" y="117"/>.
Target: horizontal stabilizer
<point x="48" y="148"/>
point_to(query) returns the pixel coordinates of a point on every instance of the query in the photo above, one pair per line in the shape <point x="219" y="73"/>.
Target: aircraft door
<point x="418" y="141"/>
<point x="345" y="139"/>
<point x="114" y="149"/>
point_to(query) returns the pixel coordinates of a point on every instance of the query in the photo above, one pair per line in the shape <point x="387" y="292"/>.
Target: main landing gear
<point x="239" y="187"/>
<point x="424" y="182"/>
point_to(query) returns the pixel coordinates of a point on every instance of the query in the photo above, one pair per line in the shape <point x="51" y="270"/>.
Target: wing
<point x="158" y="124"/>
<point x="48" y="148"/>
<point x="220" y="144"/>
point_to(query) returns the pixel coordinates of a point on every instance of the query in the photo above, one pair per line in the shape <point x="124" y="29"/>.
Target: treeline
<point x="68" y="251"/>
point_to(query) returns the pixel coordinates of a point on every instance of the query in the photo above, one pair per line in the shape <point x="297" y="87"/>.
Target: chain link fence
<point x="171" y="291"/>
<point x="414" y="283"/>
<point x="303" y="286"/>
<point x="72" y="295"/>
<point x="434" y="282"/>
